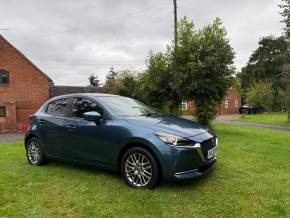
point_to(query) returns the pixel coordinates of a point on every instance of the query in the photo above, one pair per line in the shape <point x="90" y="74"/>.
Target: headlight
<point x="173" y="140"/>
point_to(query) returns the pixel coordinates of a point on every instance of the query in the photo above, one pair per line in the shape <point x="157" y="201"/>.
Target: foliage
<point x="94" y="81"/>
<point x="260" y="95"/>
<point x="112" y="85"/>
<point x="286" y="87"/>
<point x="207" y="73"/>
<point x="128" y="84"/>
<point x="199" y="68"/>
<point x="266" y="65"/>
<point x="155" y="84"/>
<point x="122" y="83"/>
<point x="285" y="6"/>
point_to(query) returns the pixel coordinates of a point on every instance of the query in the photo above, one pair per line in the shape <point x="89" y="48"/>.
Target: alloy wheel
<point x="138" y="169"/>
<point x="34" y="152"/>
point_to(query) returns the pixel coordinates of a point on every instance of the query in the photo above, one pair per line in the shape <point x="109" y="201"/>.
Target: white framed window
<point x="226" y="103"/>
<point x="184" y="105"/>
<point x="236" y="103"/>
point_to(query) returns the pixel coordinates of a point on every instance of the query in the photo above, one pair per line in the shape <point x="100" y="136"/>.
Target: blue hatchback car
<point x="120" y="134"/>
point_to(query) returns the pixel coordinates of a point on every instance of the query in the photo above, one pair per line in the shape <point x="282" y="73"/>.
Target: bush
<point x="260" y="95"/>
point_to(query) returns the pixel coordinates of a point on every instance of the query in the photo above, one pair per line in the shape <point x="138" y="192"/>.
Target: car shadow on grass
<point x="92" y="170"/>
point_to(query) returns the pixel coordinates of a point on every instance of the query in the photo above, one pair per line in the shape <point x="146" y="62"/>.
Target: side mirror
<point x="92" y="116"/>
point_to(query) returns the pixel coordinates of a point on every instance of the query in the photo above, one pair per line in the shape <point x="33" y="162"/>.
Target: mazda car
<point x="120" y="134"/>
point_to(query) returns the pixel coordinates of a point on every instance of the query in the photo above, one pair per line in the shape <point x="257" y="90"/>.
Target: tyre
<point x="34" y="152"/>
<point x="139" y="168"/>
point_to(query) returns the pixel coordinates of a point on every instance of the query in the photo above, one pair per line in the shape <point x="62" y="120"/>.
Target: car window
<point x="123" y="106"/>
<point x="59" y="107"/>
<point x="83" y="105"/>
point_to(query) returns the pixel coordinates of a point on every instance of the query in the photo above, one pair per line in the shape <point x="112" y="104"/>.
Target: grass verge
<point x="252" y="179"/>
<point x="275" y="119"/>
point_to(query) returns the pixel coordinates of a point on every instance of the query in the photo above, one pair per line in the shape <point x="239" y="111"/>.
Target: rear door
<point x="56" y="127"/>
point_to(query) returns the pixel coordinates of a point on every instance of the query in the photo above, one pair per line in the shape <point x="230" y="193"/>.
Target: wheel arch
<point x="141" y="145"/>
<point x="28" y="137"/>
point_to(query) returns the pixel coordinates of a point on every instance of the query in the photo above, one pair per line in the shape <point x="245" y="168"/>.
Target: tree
<point x="205" y="65"/>
<point x="198" y="68"/>
<point x="128" y="84"/>
<point x="154" y="85"/>
<point x="112" y="85"/>
<point x="285" y="6"/>
<point x="266" y="65"/>
<point x="94" y="81"/>
<point x="261" y="96"/>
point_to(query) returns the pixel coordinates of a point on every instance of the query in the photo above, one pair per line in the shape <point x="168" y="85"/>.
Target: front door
<point x="89" y="140"/>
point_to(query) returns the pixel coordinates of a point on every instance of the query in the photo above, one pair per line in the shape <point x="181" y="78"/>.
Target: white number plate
<point x="211" y="153"/>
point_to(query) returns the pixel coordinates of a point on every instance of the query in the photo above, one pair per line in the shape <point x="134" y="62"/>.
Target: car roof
<point x="84" y="95"/>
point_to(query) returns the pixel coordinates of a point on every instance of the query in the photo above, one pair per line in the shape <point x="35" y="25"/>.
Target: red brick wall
<point x="8" y="123"/>
<point x="231" y="96"/>
<point x="28" y="87"/>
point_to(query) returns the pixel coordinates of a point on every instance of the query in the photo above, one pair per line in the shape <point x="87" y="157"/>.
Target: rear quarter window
<point x="60" y="107"/>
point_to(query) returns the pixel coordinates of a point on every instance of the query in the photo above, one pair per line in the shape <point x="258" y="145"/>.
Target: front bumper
<point x="188" y="162"/>
<point x="196" y="172"/>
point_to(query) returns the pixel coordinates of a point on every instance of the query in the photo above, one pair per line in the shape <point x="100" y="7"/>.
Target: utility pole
<point x="175" y="23"/>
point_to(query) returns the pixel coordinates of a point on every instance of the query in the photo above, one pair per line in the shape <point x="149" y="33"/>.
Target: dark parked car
<point x="247" y="109"/>
<point x="120" y="134"/>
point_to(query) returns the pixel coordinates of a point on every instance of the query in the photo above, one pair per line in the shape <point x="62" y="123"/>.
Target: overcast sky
<point x="71" y="39"/>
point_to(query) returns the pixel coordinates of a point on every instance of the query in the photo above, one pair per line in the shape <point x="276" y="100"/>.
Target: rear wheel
<point x="139" y="168"/>
<point x="34" y="152"/>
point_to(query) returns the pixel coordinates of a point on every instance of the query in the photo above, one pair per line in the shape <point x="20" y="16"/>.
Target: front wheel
<point x="34" y="152"/>
<point x="139" y="168"/>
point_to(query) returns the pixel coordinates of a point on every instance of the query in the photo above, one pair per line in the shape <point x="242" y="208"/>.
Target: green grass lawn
<point x="276" y="119"/>
<point x="252" y="179"/>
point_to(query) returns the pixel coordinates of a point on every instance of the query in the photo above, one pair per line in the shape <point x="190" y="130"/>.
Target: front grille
<point x="207" y="145"/>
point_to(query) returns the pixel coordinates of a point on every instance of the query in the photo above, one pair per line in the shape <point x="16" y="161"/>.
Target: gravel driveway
<point x="11" y="137"/>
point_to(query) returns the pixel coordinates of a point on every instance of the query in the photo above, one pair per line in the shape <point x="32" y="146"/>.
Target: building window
<point x="4" y="77"/>
<point x="236" y="103"/>
<point x="2" y="111"/>
<point x="226" y="103"/>
<point x="184" y="105"/>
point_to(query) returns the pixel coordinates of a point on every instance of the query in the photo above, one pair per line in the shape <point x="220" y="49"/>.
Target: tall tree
<point x="285" y="6"/>
<point x="94" y="81"/>
<point x="266" y="64"/>
<point x="112" y="85"/>
<point x="212" y="75"/>
<point x="198" y="68"/>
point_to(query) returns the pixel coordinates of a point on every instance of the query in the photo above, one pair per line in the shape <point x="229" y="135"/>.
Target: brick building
<point x="23" y="87"/>
<point x="230" y="104"/>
